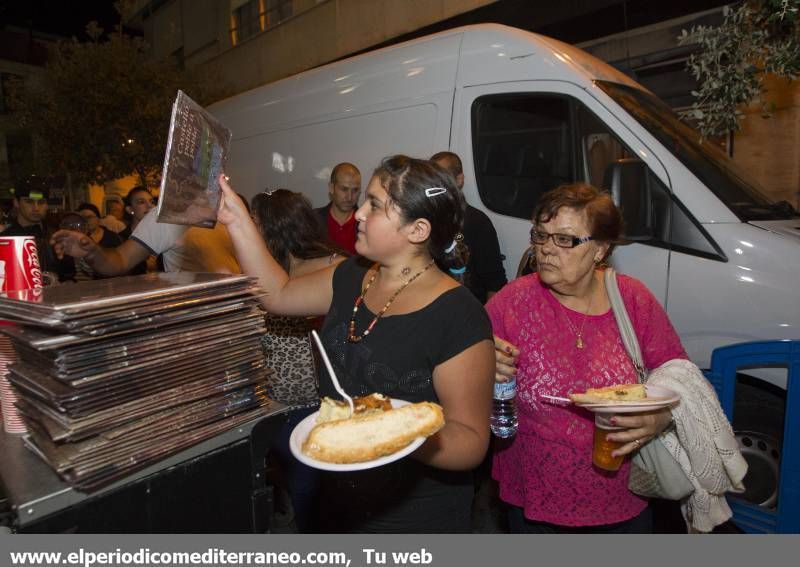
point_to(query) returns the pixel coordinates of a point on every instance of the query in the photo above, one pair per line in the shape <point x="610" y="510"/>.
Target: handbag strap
<point x="626" y="330"/>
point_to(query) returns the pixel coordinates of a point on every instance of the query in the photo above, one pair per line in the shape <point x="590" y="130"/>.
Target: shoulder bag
<point x="654" y="471"/>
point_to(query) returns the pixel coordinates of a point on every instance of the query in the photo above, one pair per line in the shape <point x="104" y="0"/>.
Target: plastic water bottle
<point x="504" y="409"/>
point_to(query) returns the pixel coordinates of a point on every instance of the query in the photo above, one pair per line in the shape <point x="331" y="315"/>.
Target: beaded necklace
<point x="351" y="335"/>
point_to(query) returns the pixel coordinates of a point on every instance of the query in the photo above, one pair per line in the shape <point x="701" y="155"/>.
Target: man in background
<point x="485" y="273"/>
<point x="30" y="202"/>
<point x="337" y="218"/>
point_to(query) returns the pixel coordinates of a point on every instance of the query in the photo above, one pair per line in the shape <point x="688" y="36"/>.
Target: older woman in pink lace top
<point x="562" y="324"/>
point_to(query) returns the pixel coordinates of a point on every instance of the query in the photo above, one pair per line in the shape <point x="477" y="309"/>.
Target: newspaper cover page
<point x="197" y="149"/>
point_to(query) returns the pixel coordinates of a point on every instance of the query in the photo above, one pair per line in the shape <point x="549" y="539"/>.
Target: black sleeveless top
<point x="397" y="358"/>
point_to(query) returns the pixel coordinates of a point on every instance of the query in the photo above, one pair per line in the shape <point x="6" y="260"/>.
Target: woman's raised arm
<point x="307" y="295"/>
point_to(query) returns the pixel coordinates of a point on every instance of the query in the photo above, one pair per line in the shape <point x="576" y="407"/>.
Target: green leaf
<point x="753" y="38"/>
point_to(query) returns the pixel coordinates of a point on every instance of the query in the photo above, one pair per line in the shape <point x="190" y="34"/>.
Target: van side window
<point x="689" y="237"/>
<point x="525" y="144"/>
<point x="523" y="147"/>
<point x="599" y="147"/>
<point x="652" y="215"/>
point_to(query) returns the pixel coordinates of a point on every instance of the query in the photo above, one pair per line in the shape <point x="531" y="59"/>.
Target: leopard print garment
<point x="287" y="347"/>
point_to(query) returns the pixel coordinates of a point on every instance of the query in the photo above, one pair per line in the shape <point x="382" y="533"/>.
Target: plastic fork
<point x="555" y="398"/>
<point x="332" y="374"/>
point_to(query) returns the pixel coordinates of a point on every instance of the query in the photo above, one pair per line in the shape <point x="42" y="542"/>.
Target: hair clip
<point x="433" y="191"/>
<point x="269" y="192"/>
<point x="450" y="248"/>
<point x="457" y="271"/>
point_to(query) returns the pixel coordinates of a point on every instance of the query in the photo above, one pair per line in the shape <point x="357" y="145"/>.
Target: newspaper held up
<point x="197" y="150"/>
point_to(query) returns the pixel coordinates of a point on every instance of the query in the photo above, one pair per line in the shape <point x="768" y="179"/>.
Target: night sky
<point x="60" y="17"/>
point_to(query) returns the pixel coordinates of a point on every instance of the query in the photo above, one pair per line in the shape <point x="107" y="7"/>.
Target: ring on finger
<point x="637" y="442"/>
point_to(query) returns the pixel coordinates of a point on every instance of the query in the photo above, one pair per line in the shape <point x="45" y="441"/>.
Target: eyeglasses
<point x="560" y="240"/>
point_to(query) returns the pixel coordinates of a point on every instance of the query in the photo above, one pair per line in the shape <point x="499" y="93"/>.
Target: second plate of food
<point x="657" y="397"/>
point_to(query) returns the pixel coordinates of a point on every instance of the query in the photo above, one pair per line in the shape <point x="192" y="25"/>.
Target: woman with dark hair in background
<point x="291" y="232"/>
<point x="138" y="202"/>
<point x="431" y="343"/>
<point x="103" y="237"/>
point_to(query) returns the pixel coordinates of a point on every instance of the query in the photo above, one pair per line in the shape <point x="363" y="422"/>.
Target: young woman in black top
<point x="398" y="324"/>
<point x="138" y="202"/>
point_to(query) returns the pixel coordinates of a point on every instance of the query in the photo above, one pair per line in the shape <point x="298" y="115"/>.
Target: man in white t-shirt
<point x="184" y="248"/>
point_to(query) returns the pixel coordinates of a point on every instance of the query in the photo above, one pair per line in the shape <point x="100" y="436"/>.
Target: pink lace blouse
<point x="546" y="469"/>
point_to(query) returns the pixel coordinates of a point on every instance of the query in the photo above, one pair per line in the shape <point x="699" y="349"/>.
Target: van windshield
<point x="707" y="162"/>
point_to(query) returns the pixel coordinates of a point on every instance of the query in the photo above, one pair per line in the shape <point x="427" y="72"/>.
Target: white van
<point x="527" y="113"/>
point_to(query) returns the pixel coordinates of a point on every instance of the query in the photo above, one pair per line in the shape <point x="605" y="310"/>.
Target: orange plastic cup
<point x="602" y="448"/>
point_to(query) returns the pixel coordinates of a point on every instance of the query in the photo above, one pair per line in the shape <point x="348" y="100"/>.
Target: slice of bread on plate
<point x="617" y="393"/>
<point x="372" y="435"/>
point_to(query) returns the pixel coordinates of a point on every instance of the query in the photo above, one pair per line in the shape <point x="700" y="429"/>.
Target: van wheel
<point x="758" y="425"/>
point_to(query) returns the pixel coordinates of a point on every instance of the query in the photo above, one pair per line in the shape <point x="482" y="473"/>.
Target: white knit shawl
<point x="703" y="444"/>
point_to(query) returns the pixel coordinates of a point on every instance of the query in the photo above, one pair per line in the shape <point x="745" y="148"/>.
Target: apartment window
<point x="245" y="20"/>
<point x="19" y="152"/>
<point x="8" y="82"/>
<point x="251" y="17"/>
<point x="278" y="11"/>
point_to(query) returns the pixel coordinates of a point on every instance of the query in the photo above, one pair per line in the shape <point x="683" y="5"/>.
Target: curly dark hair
<point x="290" y="227"/>
<point x="406" y="180"/>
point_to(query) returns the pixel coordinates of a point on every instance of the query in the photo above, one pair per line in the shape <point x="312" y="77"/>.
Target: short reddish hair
<point x="602" y="215"/>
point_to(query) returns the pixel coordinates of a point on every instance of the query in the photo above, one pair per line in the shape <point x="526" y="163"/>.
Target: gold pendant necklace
<point x="578" y="332"/>
<point x="351" y="334"/>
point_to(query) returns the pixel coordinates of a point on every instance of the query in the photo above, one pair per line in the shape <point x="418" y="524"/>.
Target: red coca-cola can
<point x="19" y="263"/>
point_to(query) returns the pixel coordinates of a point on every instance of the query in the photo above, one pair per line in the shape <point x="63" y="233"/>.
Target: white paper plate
<point x="657" y="398"/>
<point x="302" y="429"/>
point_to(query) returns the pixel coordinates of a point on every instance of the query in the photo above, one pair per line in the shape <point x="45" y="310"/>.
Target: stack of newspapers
<point x="115" y="374"/>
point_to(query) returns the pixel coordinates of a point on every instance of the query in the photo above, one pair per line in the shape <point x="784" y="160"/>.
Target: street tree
<point x="102" y="109"/>
<point x="756" y="37"/>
